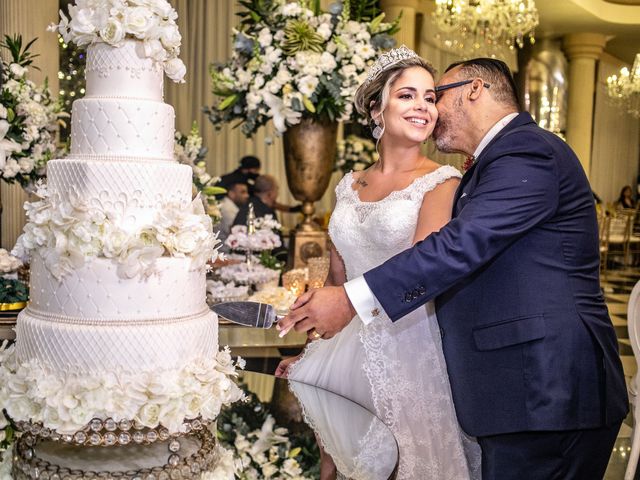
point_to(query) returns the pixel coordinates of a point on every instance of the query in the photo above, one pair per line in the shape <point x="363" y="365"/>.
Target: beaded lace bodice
<point x="367" y="234"/>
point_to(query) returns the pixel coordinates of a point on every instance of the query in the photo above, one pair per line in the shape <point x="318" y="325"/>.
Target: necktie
<point x="468" y="163"/>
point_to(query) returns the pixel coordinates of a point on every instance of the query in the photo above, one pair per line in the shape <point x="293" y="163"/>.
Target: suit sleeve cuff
<point x="363" y="300"/>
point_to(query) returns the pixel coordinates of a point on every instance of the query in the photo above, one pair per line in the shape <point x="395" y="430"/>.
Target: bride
<point x="396" y="370"/>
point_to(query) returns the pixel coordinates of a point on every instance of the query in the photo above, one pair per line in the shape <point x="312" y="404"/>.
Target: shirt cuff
<point x="364" y="301"/>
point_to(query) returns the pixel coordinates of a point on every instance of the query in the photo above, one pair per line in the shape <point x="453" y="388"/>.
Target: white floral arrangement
<point x="113" y="21"/>
<point x="67" y="403"/>
<point x="355" y="153"/>
<point x="8" y="264"/>
<point x="218" y="291"/>
<point x="188" y="150"/>
<point x="264" y="237"/>
<point x="29" y="119"/>
<point x="291" y="60"/>
<point x="66" y="233"/>
<point x="259" y="456"/>
<point x="242" y="274"/>
<point x="279" y="297"/>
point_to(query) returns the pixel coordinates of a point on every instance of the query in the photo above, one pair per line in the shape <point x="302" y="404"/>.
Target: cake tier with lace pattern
<point x="122" y="127"/>
<point x="131" y="190"/>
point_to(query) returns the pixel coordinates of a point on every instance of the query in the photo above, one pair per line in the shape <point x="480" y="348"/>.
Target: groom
<point x="531" y="352"/>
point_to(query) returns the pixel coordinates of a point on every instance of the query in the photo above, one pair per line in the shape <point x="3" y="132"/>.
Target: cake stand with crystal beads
<point x="135" y="452"/>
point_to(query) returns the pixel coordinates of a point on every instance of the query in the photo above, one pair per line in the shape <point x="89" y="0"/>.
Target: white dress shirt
<point x="362" y="298"/>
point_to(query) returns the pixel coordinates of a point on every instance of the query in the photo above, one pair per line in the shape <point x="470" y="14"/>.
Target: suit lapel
<point x="466" y="184"/>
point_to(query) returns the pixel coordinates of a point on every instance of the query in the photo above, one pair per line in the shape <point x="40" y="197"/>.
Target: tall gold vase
<point x="309" y="153"/>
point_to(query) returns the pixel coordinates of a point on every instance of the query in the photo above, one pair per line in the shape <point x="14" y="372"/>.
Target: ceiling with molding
<point x="617" y="19"/>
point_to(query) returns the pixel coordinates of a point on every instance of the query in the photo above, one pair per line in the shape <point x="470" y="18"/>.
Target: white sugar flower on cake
<point x="67" y="233"/>
<point x="113" y="21"/>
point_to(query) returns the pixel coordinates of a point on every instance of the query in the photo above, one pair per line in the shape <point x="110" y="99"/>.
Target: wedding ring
<point x="315" y="335"/>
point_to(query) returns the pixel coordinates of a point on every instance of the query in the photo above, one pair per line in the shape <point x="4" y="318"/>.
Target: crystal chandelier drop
<point x="624" y="89"/>
<point x="474" y="27"/>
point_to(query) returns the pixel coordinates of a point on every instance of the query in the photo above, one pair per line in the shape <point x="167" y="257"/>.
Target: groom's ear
<point x="476" y="89"/>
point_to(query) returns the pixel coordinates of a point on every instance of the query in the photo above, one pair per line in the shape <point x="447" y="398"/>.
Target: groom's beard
<point x="442" y="134"/>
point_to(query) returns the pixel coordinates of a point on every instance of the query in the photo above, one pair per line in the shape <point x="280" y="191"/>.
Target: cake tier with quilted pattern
<point x="122" y="71"/>
<point x="120" y="127"/>
<point x="132" y="191"/>
<point x="132" y="347"/>
<point x="96" y="294"/>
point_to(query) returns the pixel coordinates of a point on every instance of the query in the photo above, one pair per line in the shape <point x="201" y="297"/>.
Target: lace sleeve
<point x="431" y="180"/>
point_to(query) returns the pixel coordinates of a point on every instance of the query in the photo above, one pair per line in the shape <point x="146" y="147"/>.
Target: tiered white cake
<point x="118" y="326"/>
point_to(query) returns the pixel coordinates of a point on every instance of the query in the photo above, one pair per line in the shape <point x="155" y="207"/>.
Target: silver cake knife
<point x="249" y="314"/>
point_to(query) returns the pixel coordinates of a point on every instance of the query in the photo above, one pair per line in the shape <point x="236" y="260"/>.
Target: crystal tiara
<point x="387" y="60"/>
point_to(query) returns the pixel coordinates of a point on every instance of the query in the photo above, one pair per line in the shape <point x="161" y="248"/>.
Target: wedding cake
<point x="117" y="344"/>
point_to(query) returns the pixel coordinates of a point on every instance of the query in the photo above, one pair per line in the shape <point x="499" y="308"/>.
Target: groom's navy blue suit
<point x="526" y="334"/>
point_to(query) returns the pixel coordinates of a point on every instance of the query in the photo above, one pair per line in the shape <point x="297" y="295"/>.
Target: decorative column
<point x="409" y="8"/>
<point x="28" y="18"/>
<point x="583" y="51"/>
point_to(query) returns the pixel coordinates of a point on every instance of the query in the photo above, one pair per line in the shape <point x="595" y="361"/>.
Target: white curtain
<point x="616" y="140"/>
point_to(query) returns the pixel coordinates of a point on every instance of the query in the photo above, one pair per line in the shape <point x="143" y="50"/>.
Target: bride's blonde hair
<point x="373" y="96"/>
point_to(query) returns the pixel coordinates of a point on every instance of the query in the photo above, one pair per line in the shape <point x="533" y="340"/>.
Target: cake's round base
<point x="109" y="433"/>
<point x="197" y="455"/>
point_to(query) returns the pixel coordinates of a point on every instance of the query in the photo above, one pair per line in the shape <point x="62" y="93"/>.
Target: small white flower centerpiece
<point x="263" y="238"/>
<point x="29" y="118"/>
<point x="292" y="61"/>
<point x="113" y="21"/>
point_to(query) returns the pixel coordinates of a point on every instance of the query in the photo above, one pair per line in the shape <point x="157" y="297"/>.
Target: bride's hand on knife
<point x="321" y="313"/>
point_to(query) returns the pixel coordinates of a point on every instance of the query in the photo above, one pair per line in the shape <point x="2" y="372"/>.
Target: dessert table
<point x="362" y="447"/>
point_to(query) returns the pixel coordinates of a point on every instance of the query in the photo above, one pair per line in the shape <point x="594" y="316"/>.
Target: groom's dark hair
<point x="496" y="73"/>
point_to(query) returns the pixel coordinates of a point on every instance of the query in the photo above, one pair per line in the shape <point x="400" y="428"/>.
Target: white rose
<point x="154" y="49"/>
<point x="26" y="164"/>
<point x="325" y="31"/>
<point x="114" y="242"/>
<point x="113" y="32"/>
<point x="327" y="62"/>
<point x="186" y="241"/>
<point x="264" y="37"/>
<point x="171" y="37"/>
<point x="138" y="21"/>
<point x="149" y="415"/>
<point x="175" y="70"/>
<point x="11" y="168"/>
<point x="3" y="112"/>
<point x="4" y="128"/>
<point x="17" y="70"/>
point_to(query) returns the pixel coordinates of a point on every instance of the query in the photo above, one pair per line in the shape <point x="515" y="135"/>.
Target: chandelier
<point x="484" y="26"/>
<point x="624" y="89"/>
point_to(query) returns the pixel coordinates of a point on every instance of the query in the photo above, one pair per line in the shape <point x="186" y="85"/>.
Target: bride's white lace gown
<point x="396" y="370"/>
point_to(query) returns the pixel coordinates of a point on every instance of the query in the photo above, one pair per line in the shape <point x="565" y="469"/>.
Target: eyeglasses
<point x="442" y="88"/>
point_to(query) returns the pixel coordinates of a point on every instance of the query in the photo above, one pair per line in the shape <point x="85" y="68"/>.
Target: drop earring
<point x="377" y="132"/>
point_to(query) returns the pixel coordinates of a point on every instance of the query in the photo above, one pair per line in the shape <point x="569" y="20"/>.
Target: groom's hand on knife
<point x="321" y="312"/>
